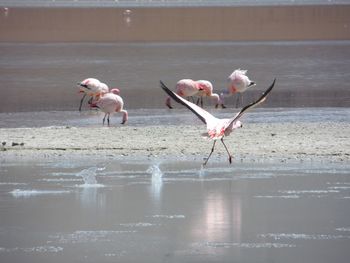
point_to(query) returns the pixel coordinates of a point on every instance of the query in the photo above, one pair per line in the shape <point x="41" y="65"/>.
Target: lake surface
<point x="139" y="211"/>
<point x="44" y="77"/>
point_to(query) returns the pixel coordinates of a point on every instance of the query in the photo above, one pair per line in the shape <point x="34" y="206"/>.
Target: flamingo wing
<point x="203" y="115"/>
<point x="253" y="104"/>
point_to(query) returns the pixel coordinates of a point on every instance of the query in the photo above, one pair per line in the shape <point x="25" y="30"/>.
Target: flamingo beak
<point x="83" y="87"/>
<point x="252" y="83"/>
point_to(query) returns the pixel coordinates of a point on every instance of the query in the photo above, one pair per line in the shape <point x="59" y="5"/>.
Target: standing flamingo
<point x="112" y="102"/>
<point x="217" y="128"/>
<point x="238" y="82"/>
<point x="205" y="89"/>
<point x="93" y="88"/>
<point x="189" y="88"/>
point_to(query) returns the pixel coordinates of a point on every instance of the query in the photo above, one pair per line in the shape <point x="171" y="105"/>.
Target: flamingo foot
<point x="230" y="159"/>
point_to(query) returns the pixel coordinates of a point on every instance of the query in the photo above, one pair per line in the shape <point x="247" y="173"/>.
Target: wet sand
<point x="252" y="23"/>
<point x="299" y="142"/>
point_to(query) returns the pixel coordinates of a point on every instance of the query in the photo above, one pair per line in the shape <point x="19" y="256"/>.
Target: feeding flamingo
<point x="238" y="82"/>
<point x="205" y="89"/>
<point x="189" y="88"/>
<point x="217" y="128"/>
<point x="112" y="102"/>
<point x="93" y="88"/>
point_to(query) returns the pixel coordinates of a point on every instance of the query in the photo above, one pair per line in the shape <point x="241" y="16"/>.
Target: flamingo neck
<point x="216" y="97"/>
<point x="125" y="116"/>
<point x="233" y="89"/>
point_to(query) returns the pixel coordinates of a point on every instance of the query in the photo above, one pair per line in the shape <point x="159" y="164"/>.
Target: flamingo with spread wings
<point x="217" y="128"/>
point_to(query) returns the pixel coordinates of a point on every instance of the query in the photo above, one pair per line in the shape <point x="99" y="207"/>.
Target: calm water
<point x="112" y="211"/>
<point x="142" y="117"/>
<point x="42" y="77"/>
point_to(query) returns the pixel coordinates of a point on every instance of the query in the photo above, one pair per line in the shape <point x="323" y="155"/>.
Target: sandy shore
<point x="254" y="142"/>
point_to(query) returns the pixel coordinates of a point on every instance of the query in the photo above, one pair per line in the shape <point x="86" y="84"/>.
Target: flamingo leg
<point x="108" y="119"/>
<point x="229" y="155"/>
<point x="200" y="100"/>
<point x="81" y="101"/>
<point x="212" y="150"/>
<point x="104" y="118"/>
<point x="237" y="100"/>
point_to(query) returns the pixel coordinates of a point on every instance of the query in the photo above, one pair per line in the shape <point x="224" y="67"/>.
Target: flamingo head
<point x="167" y="103"/>
<point x="88" y="85"/>
<point x="115" y="91"/>
<point x="237" y="124"/>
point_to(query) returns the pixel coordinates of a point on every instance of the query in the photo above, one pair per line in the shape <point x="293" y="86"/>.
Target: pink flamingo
<point x="238" y="82"/>
<point x="217" y="128"/>
<point x="112" y="102"/>
<point x="93" y="88"/>
<point x="205" y="89"/>
<point x="189" y="88"/>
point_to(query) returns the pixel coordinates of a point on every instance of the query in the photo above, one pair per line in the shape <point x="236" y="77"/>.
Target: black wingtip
<point x="165" y="88"/>
<point x="169" y="92"/>
<point x="178" y="100"/>
<point x="270" y="88"/>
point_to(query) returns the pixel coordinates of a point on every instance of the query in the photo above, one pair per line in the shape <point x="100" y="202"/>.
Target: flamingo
<point x="205" y="89"/>
<point x="93" y="88"/>
<point x="238" y="82"/>
<point x="189" y="87"/>
<point x="217" y="129"/>
<point x="111" y="102"/>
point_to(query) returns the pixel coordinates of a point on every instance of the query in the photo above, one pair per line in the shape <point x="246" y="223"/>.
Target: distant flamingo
<point x="112" y="102"/>
<point x="217" y="128"/>
<point x="189" y="88"/>
<point x="93" y="88"/>
<point x="205" y="89"/>
<point x="238" y="82"/>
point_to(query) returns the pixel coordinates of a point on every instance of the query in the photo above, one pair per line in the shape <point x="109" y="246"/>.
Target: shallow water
<point x="153" y="117"/>
<point x="43" y="77"/>
<point x="173" y="212"/>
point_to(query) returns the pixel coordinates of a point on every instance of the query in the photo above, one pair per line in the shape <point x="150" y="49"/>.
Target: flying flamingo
<point x="189" y="88"/>
<point x="238" y="82"/>
<point x="93" y="88"/>
<point x="217" y="128"/>
<point x="112" y="102"/>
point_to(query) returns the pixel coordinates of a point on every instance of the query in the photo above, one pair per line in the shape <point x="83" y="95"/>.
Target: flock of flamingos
<point x="110" y="101"/>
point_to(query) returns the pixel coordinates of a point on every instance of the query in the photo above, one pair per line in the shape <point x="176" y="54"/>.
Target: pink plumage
<point x="188" y="88"/>
<point x="217" y="128"/>
<point x="110" y="103"/>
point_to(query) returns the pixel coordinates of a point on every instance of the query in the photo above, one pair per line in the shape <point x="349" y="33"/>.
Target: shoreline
<point x="276" y="142"/>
